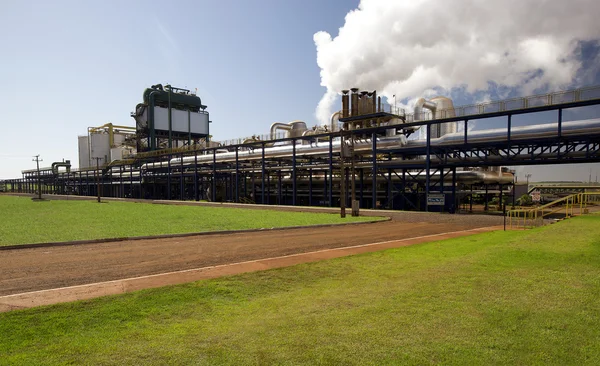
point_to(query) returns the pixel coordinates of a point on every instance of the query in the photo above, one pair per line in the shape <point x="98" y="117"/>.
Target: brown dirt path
<point x="89" y="291"/>
<point x="25" y="270"/>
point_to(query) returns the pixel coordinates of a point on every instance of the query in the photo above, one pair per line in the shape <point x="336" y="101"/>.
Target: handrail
<point x="532" y="101"/>
<point x="535" y="216"/>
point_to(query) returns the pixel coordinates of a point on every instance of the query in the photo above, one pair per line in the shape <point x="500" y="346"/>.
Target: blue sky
<point x="68" y="65"/>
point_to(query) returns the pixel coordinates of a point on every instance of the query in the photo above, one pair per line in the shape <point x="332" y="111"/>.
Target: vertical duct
<point x="364" y="103"/>
<point x="354" y="107"/>
<point x="378" y="104"/>
<point x="345" y="102"/>
<point x="374" y="102"/>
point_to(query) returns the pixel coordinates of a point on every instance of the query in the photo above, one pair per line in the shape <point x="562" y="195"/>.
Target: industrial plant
<point x="371" y="154"/>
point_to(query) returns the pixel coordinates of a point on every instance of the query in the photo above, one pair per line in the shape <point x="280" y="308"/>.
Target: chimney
<point x="374" y="102"/>
<point x="363" y="105"/>
<point x="354" y="99"/>
<point x="345" y="103"/>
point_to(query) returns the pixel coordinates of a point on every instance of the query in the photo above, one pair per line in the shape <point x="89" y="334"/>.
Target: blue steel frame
<point x="444" y="160"/>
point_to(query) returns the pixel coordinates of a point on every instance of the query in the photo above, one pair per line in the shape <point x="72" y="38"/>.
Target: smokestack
<point x="378" y="104"/>
<point x="374" y="102"/>
<point x="345" y="102"/>
<point x="354" y="107"/>
<point x="363" y="106"/>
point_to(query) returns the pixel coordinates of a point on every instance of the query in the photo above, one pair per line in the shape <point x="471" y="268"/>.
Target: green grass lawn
<point x="25" y="221"/>
<point x="526" y="297"/>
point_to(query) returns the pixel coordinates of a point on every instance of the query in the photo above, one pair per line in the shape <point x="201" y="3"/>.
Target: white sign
<point x="436" y="199"/>
<point x="536" y="196"/>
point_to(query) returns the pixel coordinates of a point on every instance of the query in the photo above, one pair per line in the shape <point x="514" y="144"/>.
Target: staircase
<point x="563" y="208"/>
<point x="247" y="200"/>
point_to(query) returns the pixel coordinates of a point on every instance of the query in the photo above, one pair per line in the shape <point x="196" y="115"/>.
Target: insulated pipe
<point x="66" y="164"/>
<point x="423" y="104"/>
<point x="573" y="128"/>
<point x="279" y="126"/>
<point x="286" y="150"/>
<point x="332" y="120"/>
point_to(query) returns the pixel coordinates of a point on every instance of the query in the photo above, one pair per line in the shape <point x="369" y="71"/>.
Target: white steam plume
<point x="405" y="47"/>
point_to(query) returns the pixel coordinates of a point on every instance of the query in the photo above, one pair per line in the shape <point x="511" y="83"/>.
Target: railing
<point x="556" y="98"/>
<point x="549" y="99"/>
<point x="573" y="205"/>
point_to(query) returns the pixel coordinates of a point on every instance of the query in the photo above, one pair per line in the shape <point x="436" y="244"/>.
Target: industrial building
<point x="370" y="155"/>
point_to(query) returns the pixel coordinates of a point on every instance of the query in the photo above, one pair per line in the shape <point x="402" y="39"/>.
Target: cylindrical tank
<point x="100" y="147"/>
<point x="298" y="128"/>
<point x="84" y="151"/>
<point x="444" y="109"/>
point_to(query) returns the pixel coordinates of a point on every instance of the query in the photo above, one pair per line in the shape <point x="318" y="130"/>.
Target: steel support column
<point x="214" y="177"/>
<point x="262" y="191"/>
<point x="196" y="193"/>
<point x="330" y="171"/>
<point x="428" y="163"/>
<point x="310" y="184"/>
<point x="294" y="172"/>
<point x="374" y="170"/>
<point x="237" y="175"/>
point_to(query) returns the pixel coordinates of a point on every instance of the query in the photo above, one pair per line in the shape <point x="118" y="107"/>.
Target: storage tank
<point x="298" y="128"/>
<point x="84" y="151"/>
<point x="439" y="107"/>
<point x="99" y="148"/>
<point x="444" y="109"/>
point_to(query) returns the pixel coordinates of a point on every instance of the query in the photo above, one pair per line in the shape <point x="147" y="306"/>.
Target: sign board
<point x="536" y="196"/>
<point x="436" y="199"/>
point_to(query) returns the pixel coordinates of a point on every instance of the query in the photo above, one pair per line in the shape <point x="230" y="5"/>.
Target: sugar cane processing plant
<point x="371" y="155"/>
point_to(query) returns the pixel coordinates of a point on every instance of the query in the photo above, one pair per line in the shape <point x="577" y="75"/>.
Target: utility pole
<point x="39" y="178"/>
<point x="98" y="177"/>
<point x="342" y="179"/>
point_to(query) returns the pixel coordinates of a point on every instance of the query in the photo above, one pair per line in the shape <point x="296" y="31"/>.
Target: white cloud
<point x="405" y="47"/>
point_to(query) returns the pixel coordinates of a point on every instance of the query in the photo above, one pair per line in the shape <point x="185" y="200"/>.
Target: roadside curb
<point x="182" y="235"/>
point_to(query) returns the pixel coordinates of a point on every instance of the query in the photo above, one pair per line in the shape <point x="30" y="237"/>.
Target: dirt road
<point x="25" y="270"/>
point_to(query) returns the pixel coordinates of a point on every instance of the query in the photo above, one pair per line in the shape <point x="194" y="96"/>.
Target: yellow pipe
<point x="111" y="133"/>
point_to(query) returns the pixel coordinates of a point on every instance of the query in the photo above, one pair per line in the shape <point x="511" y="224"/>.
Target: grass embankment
<point x="24" y="221"/>
<point x="527" y="297"/>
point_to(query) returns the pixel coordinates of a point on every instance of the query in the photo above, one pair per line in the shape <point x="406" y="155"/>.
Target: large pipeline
<point x="574" y="128"/>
